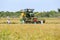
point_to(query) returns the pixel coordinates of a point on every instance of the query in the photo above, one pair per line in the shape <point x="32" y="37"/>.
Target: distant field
<point x="47" y="20"/>
<point x="48" y="31"/>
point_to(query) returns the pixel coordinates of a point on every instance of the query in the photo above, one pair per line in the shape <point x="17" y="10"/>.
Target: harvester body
<point x="28" y="16"/>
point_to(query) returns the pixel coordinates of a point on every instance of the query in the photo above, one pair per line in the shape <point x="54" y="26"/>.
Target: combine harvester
<point x="28" y="17"/>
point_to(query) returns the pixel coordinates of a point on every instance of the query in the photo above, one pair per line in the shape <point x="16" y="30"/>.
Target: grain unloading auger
<point x="27" y="16"/>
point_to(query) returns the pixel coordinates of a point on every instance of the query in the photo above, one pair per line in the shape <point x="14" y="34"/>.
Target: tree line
<point x="16" y="14"/>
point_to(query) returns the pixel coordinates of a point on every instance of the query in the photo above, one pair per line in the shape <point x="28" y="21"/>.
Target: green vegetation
<point x="11" y="14"/>
<point x="51" y="13"/>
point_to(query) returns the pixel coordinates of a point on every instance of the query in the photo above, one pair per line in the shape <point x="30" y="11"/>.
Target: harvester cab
<point x="29" y="13"/>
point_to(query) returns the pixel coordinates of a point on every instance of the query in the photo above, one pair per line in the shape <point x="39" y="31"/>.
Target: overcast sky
<point x="38" y="5"/>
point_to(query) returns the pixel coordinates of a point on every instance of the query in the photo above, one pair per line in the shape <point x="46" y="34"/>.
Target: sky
<point x="38" y="5"/>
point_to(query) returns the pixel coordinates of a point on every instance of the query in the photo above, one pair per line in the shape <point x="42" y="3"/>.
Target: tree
<point x="58" y="9"/>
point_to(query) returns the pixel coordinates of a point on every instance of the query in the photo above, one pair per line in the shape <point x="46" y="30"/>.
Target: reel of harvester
<point x="29" y="17"/>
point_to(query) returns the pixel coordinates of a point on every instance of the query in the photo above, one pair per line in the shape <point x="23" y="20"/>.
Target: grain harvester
<point x="28" y="17"/>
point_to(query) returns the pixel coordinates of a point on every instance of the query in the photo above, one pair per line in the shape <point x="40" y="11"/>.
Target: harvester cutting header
<point x="27" y="16"/>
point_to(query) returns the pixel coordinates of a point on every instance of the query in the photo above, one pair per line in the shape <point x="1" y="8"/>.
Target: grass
<point x="29" y="32"/>
<point x="48" y="31"/>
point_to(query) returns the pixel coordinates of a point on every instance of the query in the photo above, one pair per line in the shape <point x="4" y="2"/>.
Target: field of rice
<point x="48" y="31"/>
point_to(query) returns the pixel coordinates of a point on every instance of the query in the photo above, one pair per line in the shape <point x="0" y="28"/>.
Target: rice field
<point x="48" y="31"/>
